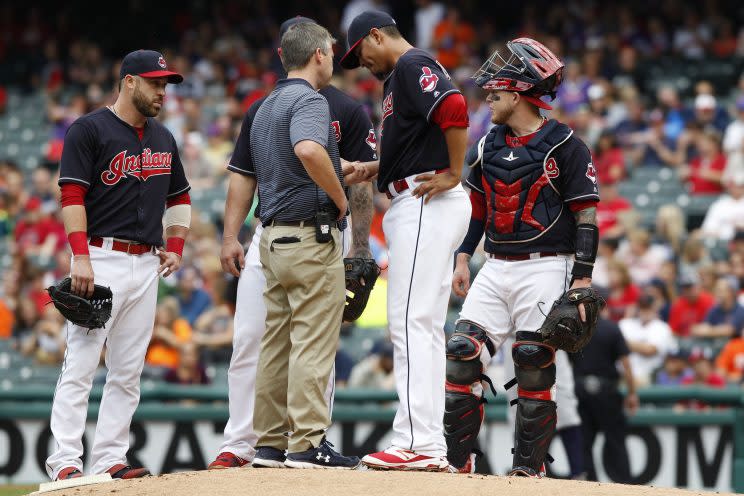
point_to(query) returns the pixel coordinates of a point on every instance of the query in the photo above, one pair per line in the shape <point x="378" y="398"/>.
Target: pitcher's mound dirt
<point x="277" y="482"/>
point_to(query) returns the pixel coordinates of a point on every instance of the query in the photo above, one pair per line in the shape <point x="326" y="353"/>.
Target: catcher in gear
<point x="533" y="194"/>
<point x="361" y="275"/>
<point x="92" y="312"/>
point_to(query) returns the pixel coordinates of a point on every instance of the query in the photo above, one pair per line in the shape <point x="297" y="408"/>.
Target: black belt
<point x="593" y="384"/>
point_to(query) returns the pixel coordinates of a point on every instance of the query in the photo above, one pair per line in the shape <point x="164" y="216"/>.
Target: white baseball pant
<point x="133" y="280"/>
<point x="422" y="239"/>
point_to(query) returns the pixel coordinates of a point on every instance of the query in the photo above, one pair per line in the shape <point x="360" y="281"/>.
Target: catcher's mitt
<point x="361" y="274"/>
<point x="91" y="312"/>
<point x="563" y="328"/>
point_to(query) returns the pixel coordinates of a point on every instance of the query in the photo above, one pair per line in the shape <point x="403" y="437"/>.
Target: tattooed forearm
<point x="586" y="216"/>
<point x="361" y="218"/>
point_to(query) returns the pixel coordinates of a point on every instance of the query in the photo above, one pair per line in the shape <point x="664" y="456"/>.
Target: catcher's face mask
<point x="524" y="66"/>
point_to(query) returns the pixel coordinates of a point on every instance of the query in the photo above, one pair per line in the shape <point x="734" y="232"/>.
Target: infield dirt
<point x="270" y="482"/>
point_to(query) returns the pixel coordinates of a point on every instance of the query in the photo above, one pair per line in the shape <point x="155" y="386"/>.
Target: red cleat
<point x="227" y="460"/>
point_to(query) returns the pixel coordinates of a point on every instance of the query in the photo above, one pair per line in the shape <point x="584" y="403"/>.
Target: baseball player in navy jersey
<point x="534" y="195"/>
<point x="356" y="141"/>
<point x="120" y="172"/>
<point x="422" y="146"/>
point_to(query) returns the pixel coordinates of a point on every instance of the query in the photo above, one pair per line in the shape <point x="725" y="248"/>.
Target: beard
<point x="143" y="105"/>
<point x="502" y="116"/>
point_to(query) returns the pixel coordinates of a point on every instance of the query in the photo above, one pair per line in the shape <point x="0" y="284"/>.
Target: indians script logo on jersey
<point x="428" y="80"/>
<point x="336" y="130"/>
<point x="387" y="106"/>
<point x="140" y="166"/>
<point x="371" y="139"/>
<point x="591" y="173"/>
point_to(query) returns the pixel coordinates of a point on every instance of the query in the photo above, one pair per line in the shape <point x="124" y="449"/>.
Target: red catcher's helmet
<point x="528" y="67"/>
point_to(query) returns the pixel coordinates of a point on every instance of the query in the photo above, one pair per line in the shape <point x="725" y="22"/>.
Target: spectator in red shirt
<point x="624" y="294"/>
<point x="701" y="359"/>
<point x="705" y="374"/>
<point x="38" y="233"/>
<point x="704" y="174"/>
<point x="609" y="160"/>
<point x="610" y="211"/>
<point x="691" y="306"/>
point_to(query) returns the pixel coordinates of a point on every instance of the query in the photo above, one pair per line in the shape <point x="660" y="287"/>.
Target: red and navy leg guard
<point x="463" y="400"/>
<point x="534" y="366"/>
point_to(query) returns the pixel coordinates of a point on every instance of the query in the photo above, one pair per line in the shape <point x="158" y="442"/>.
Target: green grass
<point x="17" y="490"/>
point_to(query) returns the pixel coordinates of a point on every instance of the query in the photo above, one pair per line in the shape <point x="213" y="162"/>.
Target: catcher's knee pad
<point x="463" y="400"/>
<point x="534" y="366"/>
<point x="534" y="362"/>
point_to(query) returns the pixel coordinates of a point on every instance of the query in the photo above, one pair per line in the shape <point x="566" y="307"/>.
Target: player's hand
<point x="355" y="174"/>
<point x="347" y="167"/>
<point x="583" y="282"/>
<point x="232" y="257"/>
<point x="631" y="403"/>
<point x="82" y="276"/>
<point x="434" y="184"/>
<point x="169" y="262"/>
<point x="461" y="280"/>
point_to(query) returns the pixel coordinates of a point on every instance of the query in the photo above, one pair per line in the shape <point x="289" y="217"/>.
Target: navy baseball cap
<point x="359" y="29"/>
<point x="148" y="64"/>
<point x="291" y="22"/>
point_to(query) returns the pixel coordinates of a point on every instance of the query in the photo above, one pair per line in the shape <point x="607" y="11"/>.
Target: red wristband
<point x="175" y="245"/>
<point x="78" y="242"/>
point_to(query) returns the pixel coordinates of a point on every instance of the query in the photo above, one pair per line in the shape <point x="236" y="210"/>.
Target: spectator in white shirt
<point x="428" y="14"/>
<point x="726" y="214"/>
<point x="649" y="339"/>
<point x="733" y="138"/>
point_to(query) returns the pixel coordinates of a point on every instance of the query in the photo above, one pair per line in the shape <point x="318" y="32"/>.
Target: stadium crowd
<point x="651" y="92"/>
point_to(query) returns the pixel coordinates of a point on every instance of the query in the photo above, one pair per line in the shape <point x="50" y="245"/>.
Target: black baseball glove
<point x="361" y="274"/>
<point x="92" y="312"/>
<point x="563" y="328"/>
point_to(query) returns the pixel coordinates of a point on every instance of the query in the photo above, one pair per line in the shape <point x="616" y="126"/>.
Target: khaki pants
<point x="304" y="296"/>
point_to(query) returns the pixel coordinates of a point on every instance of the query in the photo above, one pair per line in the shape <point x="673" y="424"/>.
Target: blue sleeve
<point x="241" y="161"/>
<point x="577" y="179"/>
<point x="178" y="182"/>
<point x="427" y="83"/>
<point x="475" y="232"/>
<point x="78" y="156"/>
<point x="358" y="140"/>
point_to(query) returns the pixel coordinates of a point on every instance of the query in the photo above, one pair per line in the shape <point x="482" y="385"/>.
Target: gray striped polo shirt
<point x="293" y="112"/>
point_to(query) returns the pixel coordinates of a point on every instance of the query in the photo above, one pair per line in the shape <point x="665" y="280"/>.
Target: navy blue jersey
<point x="352" y="126"/>
<point x="128" y="180"/>
<point x="527" y="189"/>
<point x="410" y="143"/>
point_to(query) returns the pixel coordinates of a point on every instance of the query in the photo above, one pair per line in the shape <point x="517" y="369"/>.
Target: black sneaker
<point x="268" y="457"/>
<point x="324" y="456"/>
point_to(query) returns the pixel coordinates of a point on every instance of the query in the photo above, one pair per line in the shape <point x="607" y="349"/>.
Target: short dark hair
<point x="300" y="42"/>
<point x="391" y="31"/>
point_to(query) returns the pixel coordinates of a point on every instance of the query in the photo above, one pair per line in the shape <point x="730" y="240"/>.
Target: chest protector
<point x="522" y="201"/>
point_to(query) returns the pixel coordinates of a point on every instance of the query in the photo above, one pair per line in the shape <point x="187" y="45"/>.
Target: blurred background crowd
<point x="655" y="90"/>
